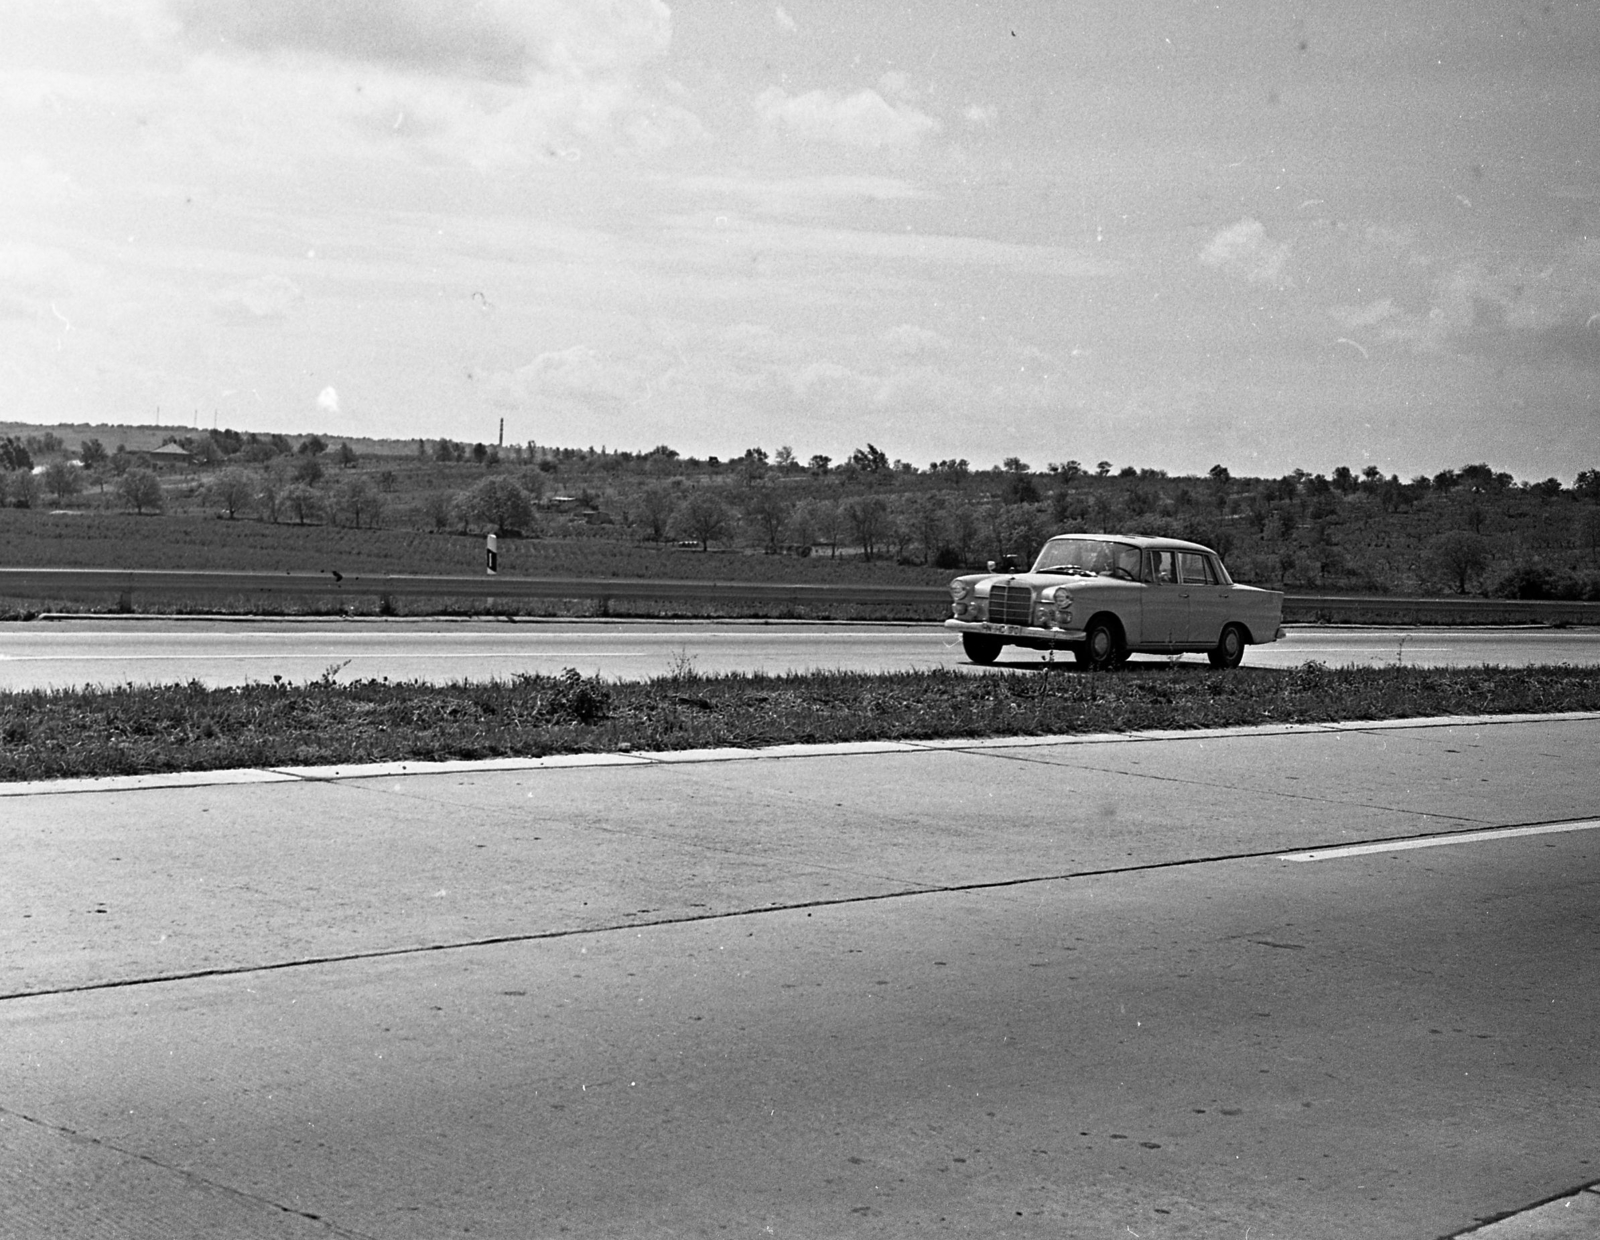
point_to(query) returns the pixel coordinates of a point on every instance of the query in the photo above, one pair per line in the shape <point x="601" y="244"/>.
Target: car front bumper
<point x="1019" y="633"/>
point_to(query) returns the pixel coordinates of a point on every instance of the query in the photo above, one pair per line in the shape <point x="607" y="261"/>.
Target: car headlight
<point x="960" y="590"/>
<point x="1061" y="605"/>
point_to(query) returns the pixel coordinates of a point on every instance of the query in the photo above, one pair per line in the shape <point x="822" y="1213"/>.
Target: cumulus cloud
<point x="1243" y="249"/>
<point x="328" y="400"/>
<point x="864" y="119"/>
<point x="577" y="374"/>
<point x="266" y="297"/>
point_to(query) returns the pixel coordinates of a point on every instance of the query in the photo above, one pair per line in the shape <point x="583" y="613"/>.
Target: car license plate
<point x="1005" y="630"/>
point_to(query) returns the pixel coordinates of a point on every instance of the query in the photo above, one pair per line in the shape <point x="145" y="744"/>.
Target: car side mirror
<point x="991" y="566"/>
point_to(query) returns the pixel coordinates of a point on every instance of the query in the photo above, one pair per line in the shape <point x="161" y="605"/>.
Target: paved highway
<point x="62" y="654"/>
<point x="1156" y="988"/>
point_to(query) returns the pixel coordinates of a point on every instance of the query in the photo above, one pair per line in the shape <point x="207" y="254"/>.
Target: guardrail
<point x="81" y="584"/>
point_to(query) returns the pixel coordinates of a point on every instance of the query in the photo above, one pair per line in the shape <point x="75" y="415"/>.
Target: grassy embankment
<point x="47" y="735"/>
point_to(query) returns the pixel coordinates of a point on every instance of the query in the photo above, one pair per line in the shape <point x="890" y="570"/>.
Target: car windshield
<point x="1088" y="557"/>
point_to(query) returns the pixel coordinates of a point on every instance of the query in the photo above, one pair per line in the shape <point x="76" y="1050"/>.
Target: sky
<point x="1260" y="233"/>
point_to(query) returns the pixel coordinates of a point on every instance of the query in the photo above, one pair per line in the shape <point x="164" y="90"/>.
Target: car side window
<point x="1194" y="569"/>
<point x="1161" y="567"/>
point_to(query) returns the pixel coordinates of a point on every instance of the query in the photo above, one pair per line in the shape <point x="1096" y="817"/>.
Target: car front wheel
<point x="1229" y="648"/>
<point x="980" y="647"/>
<point x="1100" y="647"/>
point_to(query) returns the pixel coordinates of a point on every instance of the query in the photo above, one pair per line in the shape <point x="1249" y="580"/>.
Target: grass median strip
<point x="150" y="729"/>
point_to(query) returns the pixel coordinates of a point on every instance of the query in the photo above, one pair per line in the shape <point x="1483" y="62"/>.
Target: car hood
<point x="981" y="583"/>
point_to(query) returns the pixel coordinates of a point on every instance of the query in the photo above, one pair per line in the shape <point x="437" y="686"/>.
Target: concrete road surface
<point x="1096" y="987"/>
<point x="69" y="653"/>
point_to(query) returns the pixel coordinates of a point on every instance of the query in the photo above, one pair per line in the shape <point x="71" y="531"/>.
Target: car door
<point x="1208" y="598"/>
<point x="1164" y="606"/>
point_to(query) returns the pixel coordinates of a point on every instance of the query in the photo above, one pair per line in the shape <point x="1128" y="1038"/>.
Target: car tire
<point x="1229" y="649"/>
<point x="981" y="648"/>
<point x="1101" y="647"/>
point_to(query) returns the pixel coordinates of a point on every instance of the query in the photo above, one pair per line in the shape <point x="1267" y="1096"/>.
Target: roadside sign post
<point x="493" y="548"/>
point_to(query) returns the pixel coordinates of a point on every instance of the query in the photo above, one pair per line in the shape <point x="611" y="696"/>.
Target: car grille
<point x="1011" y="605"/>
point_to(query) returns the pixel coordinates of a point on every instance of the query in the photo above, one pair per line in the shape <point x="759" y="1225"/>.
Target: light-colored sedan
<point x="1107" y="596"/>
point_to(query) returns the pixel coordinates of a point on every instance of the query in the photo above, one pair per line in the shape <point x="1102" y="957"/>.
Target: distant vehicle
<point x="1108" y="596"/>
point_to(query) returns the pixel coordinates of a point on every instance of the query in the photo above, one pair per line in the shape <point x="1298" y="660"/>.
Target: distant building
<point x="166" y="454"/>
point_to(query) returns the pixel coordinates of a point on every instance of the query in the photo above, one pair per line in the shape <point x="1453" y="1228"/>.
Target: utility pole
<point x="502" y="432"/>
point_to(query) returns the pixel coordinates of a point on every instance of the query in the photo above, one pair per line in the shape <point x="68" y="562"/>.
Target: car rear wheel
<point x="1100" y="648"/>
<point x="1229" y="649"/>
<point x="980" y="647"/>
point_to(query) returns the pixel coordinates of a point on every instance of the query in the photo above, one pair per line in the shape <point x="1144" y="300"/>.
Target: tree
<point x="63" y="479"/>
<point x="1017" y="487"/>
<point x="868" y="517"/>
<point x="818" y="464"/>
<point x="22" y="488"/>
<point x="784" y="458"/>
<point x="499" y="502"/>
<point x="1015" y="465"/>
<point x="1459" y="556"/>
<point x="440" y="508"/>
<point x="141" y="490"/>
<point x="926" y="520"/>
<point x="826" y="523"/>
<point x="1588" y="531"/>
<point x="14" y="454"/>
<point x="346" y="456"/>
<point x="951" y="470"/>
<point x="655" y="510"/>
<point x="355" y="498"/>
<point x="703" y="517"/>
<point x="312" y="446"/>
<point x="308" y="470"/>
<point x="302" y="502"/>
<point x="1587" y="484"/>
<point x="1103" y="469"/>
<point x="870" y="460"/>
<point x="92" y="453"/>
<point x="768" y="510"/>
<point x="233" y="490"/>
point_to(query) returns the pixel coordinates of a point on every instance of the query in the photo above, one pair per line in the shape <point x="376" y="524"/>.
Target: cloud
<point x="494" y="84"/>
<point x="500" y="40"/>
<point x="910" y="340"/>
<point x="977" y="114"/>
<point x="579" y="374"/>
<point x="328" y="400"/>
<point x="1243" y="249"/>
<point x="785" y="22"/>
<point x="265" y="297"/>
<point x="864" y="119"/>
<point x="812" y="195"/>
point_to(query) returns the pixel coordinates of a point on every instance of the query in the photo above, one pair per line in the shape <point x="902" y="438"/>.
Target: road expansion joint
<point x="926" y="889"/>
<point x="75" y="1137"/>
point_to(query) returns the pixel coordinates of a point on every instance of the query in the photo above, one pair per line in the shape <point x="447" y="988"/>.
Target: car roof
<point x="1141" y="541"/>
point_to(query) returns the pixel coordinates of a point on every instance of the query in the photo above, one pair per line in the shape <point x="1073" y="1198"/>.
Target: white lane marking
<point x="1437" y="841"/>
